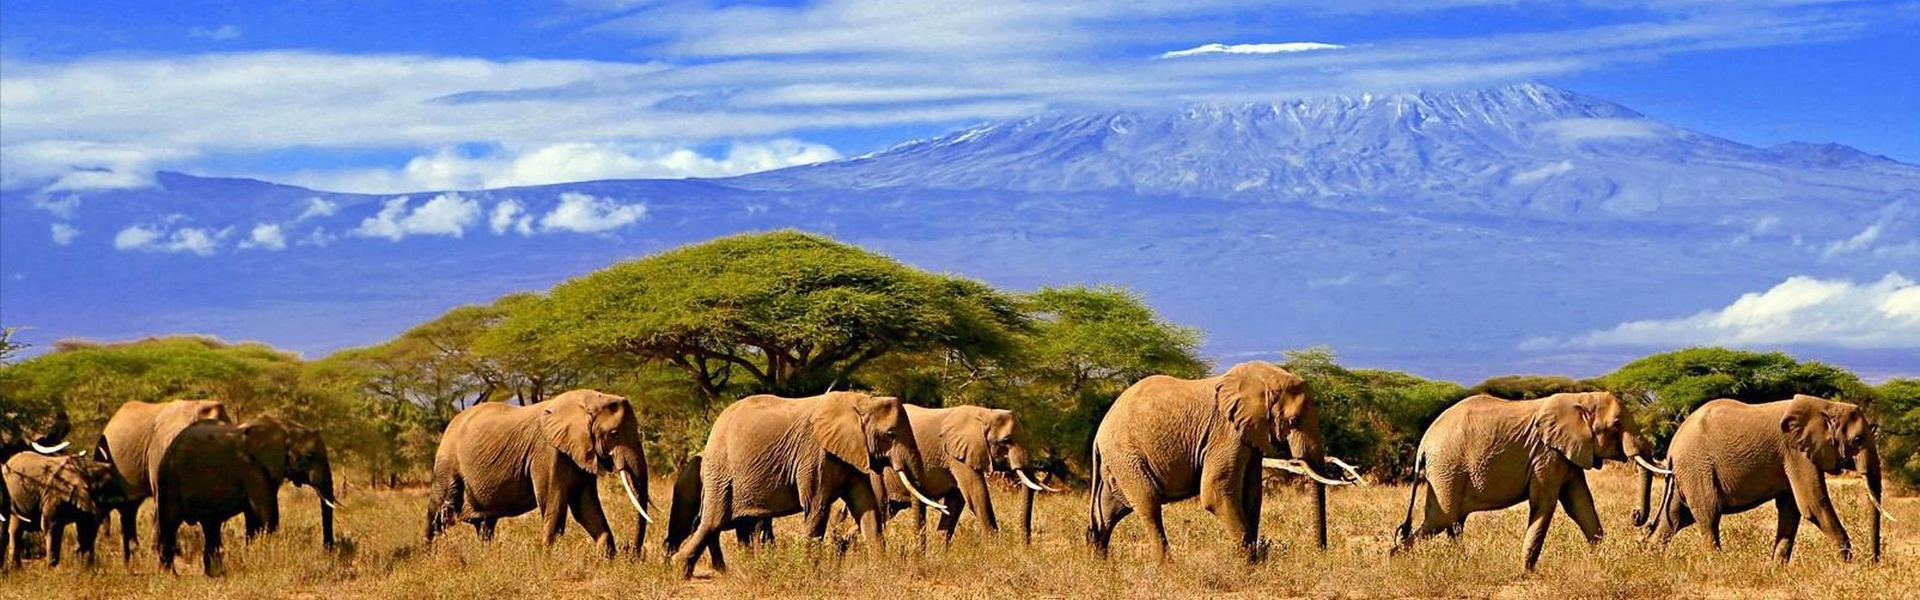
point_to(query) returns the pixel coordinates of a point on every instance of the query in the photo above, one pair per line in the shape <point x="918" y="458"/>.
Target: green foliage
<point x="9" y="347"/>
<point x="1898" y="405"/>
<point x="1371" y="417"/>
<point x="1670" y="385"/>
<point x="1530" y="387"/>
<point x="794" y="312"/>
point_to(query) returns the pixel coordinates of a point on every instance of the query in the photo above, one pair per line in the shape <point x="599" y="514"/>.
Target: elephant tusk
<point x="54" y="449"/>
<point x="1642" y="461"/>
<point x="329" y="504"/>
<point x="919" y="496"/>
<point x="1353" y="472"/>
<point x="626" y="482"/>
<point x="1029" y="482"/>
<point x="1300" y="468"/>
<point x="1882" y="509"/>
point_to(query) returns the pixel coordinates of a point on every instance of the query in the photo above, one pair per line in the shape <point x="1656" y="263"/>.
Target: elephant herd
<point x="188" y="455"/>
<point x="1164" y="440"/>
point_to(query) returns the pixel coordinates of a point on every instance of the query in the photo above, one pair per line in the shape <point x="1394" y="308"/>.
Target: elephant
<point x="498" y="460"/>
<point x="42" y="432"/>
<point x="769" y="457"/>
<point x="50" y="492"/>
<point x="1729" y="457"/>
<point x="135" y="439"/>
<point x="214" y="470"/>
<point x="1168" y="439"/>
<point x="1488" y="453"/>
<point x="961" y="446"/>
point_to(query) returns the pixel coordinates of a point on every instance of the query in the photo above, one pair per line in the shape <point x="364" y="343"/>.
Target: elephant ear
<point x="567" y="424"/>
<point x="1240" y="402"/>
<point x="1565" y="423"/>
<point x="964" y="437"/>
<point x="266" y="445"/>
<point x="1809" y="430"/>
<point x="839" y="426"/>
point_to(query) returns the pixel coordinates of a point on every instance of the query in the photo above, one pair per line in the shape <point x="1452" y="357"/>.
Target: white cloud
<point x="78" y="166"/>
<point x="1799" y="311"/>
<point x="63" y="234"/>
<point x="219" y="34"/>
<point x="510" y="215"/>
<point x="1584" y="130"/>
<point x="266" y="236"/>
<point x="1542" y="173"/>
<point x="318" y="207"/>
<point x="560" y="163"/>
<point x="158" y="238"/>
<point x="447" y="214"/>
<point x="318" y="238"/>
<point x="1859" y="241"/>
<point x="1280" y="48"/>
<point x="582" y="213"/>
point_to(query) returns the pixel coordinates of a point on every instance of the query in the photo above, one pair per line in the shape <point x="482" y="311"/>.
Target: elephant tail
<point x="683" y="516"/>
<point x="1660" y="517"/>
<point x="1405" y="533"/>
<point x="1096" y="495"/>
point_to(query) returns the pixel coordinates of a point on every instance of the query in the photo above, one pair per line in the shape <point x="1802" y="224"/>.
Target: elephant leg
<point x="951" y="521"/>
<point x="1252" y="496"/>
<point x="864" y="505"/>
<point x="553" y="516"/>
<point x="920" y="524"/>
<point x="211" y="556"/>
<point x="166" y="540"/>
<point x="715" y="501"/>
<point x="973" y="491"/>
<point x="1540" y="505"/>
<point x="1786" y="528"/>
<point x="17" y="532"/>
<point x="586" y="509"/>
<point x="86" y="532"/>
<point x="744" y="533"/>
<point x="1110" y="506"/>
<point x="1577" y="499"/>
<point x="1221" y="486"/>
<point x="1810" y="493"/>
<point x="127" y="534"/>
<point x="1439" y="516"/>
<point x="53" y="530"/>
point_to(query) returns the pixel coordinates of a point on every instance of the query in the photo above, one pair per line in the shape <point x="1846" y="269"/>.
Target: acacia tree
<point x="1670" y="385"/>
<point x="782" y="312"/>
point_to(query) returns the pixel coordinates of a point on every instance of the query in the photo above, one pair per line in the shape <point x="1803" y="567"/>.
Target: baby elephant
<point x="1730" y="457"/>
<point x="50" y="492"/>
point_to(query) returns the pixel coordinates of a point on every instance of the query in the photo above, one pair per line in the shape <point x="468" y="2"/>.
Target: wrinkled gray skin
<point x="769" y="457"/>
<point x="135" y="439"/>
<point x="1487" y="453"/>
<point x="214" y="470"/>
<point x="1730" y="457"/>
<point x="1168" y="439"/>
<point x="961" y="446"/>
<point x="48" y="493"/>
<point x="497" y="460"/>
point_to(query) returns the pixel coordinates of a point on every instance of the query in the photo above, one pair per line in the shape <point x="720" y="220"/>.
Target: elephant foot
<point x="1257" y="552"/>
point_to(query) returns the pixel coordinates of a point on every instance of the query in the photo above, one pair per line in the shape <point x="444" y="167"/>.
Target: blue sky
<point x="392" y="96"/>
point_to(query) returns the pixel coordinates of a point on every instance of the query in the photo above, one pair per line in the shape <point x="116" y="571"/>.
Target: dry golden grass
<point x="384" y="559"/>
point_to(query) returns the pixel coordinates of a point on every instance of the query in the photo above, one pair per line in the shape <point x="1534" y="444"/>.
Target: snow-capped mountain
<point x="1448" y="233"/>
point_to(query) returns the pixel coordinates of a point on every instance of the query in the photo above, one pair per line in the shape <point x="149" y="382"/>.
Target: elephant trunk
<point x="1641" y="514"/>
<point x="323" y="486"/>
<point x="1305" y="444"/>
<point x="630" y="467"/>
<point x="1871" y="470"/>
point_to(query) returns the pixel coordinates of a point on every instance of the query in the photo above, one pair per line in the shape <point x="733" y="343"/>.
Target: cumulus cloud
<point x="266" y="236"/>
<point x="63" y="234"/>
<point x="509" y="215"/>
<point x="159" y="238"/>
<point x="318" y="207"/>
<point x="582" y="213"/>
<point x="1280" y="48"/>
<point x="447" y="214"/>
<point x="567" y="162"/>
<point x="1798" y="311"/>
<point x="1859" y="241"/>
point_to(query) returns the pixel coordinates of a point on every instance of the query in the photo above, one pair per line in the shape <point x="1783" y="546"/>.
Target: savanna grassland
<point x="382" y="557"/>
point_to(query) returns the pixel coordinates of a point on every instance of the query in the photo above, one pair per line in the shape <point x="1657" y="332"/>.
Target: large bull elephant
<point x="497" y="460"/>
<point x="1168" y="439"/>
<point x="1488" y="453"/>
<point x="1730" y="457"/>
<point x="135" y="439"/>
<point x="769" y="457"/>
<point x="961" y="447"/>
<point x="49" y="492"/>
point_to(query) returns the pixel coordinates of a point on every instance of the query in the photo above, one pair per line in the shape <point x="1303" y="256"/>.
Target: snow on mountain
<point x="1438" y="232"/>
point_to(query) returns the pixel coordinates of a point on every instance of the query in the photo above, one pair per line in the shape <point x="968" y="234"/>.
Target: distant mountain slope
<point x="1437" y="232"/>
